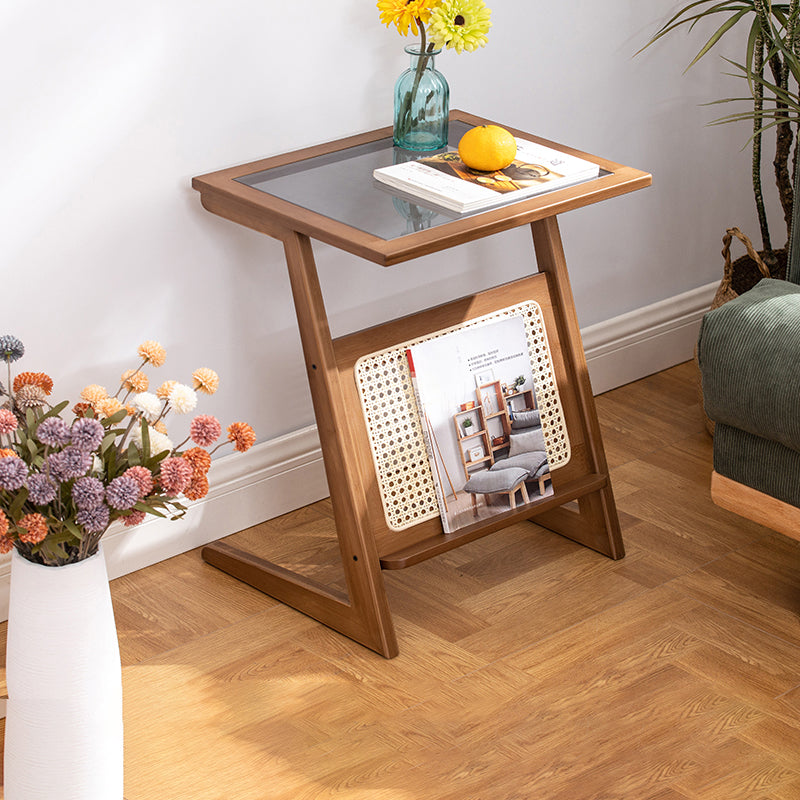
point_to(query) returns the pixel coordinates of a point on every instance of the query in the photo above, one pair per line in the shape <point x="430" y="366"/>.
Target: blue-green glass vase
<point x="421" y="103"/>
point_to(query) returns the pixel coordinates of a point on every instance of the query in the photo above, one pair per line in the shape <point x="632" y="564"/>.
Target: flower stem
<point x="406" y="121"/>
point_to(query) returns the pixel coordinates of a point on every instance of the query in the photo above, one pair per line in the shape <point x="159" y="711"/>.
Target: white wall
<point x="109" y="110"/>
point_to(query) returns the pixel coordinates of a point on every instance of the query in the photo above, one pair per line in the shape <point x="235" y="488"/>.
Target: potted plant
<point x="466" y="425"/>
<point x="65" y="476"/>
<point x="766" y="65"/>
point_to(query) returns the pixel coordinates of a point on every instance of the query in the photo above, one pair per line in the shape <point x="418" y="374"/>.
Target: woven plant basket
<point x="738" y="277"/>
<point x="743" y="274"/>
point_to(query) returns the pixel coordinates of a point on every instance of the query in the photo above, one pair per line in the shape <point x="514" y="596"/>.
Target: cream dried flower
<point x="149" y="405"/>
<point x="182" y="398"/>
<point x="30" y="396"/>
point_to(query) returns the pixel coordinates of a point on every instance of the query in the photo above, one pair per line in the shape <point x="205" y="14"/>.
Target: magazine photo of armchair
<point x="477" y="404"/>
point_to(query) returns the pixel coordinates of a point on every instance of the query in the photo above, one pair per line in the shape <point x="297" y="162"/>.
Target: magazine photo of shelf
<point x="476" y="399"/>
<point x="444" y="180"/>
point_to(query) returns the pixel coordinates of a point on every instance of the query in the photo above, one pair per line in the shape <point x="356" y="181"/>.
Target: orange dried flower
<point x="3" y="523"/>
<point x="205" y="380"/>
<point x="80" y="409"/>
<point x="6" y="544"/>
<point x="109" y="406"/>
<point x="197" y="489"/>
<point x="242" y="436"/>
<point x="94" y="394"/>
<point x="5" y="452"/>
<point x="199" y="459"/>
<point x="161" y="427"/>
<point x="35" y="527"/>
<point x="135" y="380"/>
<point x="40" y="379"/>
<point x="165" y="388"/>
<point x="153" y="353"/>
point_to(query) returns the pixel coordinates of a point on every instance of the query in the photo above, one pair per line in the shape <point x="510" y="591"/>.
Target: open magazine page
<point x="477" y="404"/>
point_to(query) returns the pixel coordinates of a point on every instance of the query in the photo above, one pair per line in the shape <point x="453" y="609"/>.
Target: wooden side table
<point x="328" y="193"/>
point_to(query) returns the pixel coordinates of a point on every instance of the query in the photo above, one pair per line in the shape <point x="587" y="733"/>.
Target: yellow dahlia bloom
<point x="405" y="13"/>
<point x="460" y="24"/>
<point x="205" y="380"/>
<point x="153" y="353"/>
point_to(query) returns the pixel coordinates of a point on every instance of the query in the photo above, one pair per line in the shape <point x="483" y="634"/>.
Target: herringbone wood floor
<point x="529" y="667"/>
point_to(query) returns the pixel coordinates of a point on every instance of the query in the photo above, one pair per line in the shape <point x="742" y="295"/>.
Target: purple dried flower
<point x="74" y="462"/>
<point x="11" y="348"/>
<point x="41" y="490"/>
<point x="87" y="433"/>
<point x="87" y="493"/>
<point x="53" y="432"/>
<point x="13" y="471"/>
<point x="122" y="493"/>
<point x="54" y="467"/>
<point x="94" y="520"/>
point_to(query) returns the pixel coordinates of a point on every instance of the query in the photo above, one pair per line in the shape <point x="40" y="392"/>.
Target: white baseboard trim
<point x="647" y="340"/>
<point x="271" y="479"/>
<point x="286" y="473"/>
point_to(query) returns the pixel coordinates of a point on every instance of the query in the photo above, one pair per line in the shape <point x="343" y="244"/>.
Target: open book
<point x="444" y="180"/>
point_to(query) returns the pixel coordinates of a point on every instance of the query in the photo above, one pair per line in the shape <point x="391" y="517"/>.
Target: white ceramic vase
<point x="64" y="716"/>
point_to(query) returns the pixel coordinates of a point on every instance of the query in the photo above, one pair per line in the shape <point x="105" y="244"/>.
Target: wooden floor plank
<point x="529" y="667"/>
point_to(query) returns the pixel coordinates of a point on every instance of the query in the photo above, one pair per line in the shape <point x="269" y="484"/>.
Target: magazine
<point x="476" y="399"/>
<point x="444" y="180"/>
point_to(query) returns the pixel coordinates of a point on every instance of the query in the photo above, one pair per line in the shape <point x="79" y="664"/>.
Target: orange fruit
<point x="487" y="148"/>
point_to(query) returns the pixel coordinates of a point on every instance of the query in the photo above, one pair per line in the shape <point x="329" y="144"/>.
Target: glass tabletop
<point x="340" y="186"/>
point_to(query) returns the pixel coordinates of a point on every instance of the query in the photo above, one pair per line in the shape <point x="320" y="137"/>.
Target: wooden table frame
<point x="366" y="545"/>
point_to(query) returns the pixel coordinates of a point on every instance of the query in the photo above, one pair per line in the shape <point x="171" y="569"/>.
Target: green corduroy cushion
<point x="762" y="464"/>
<point x="749" y="356"/>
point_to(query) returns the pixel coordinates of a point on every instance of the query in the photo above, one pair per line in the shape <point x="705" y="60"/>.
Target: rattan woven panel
<point x="394" y="427"/>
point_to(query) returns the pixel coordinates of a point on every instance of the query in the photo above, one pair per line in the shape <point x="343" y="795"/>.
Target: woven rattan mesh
<point x="394" y="428"/>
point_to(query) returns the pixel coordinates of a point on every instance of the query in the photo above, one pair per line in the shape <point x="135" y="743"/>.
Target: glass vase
<point x="421" y="103"/>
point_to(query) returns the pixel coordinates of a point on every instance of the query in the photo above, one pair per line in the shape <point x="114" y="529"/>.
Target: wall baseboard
<point x="286" y="473"/>
<point x="647" y="340"/>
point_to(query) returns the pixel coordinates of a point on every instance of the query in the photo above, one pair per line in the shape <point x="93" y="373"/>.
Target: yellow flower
<point x="460" y="24"/>
<point x="405" y="13"/>
<point x="153" y="353"/>
<point x="205" y="380"/>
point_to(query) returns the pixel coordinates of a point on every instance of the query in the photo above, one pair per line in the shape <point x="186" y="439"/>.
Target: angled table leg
<point x="362" y="615"/>
<point x="595" y="523"/>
